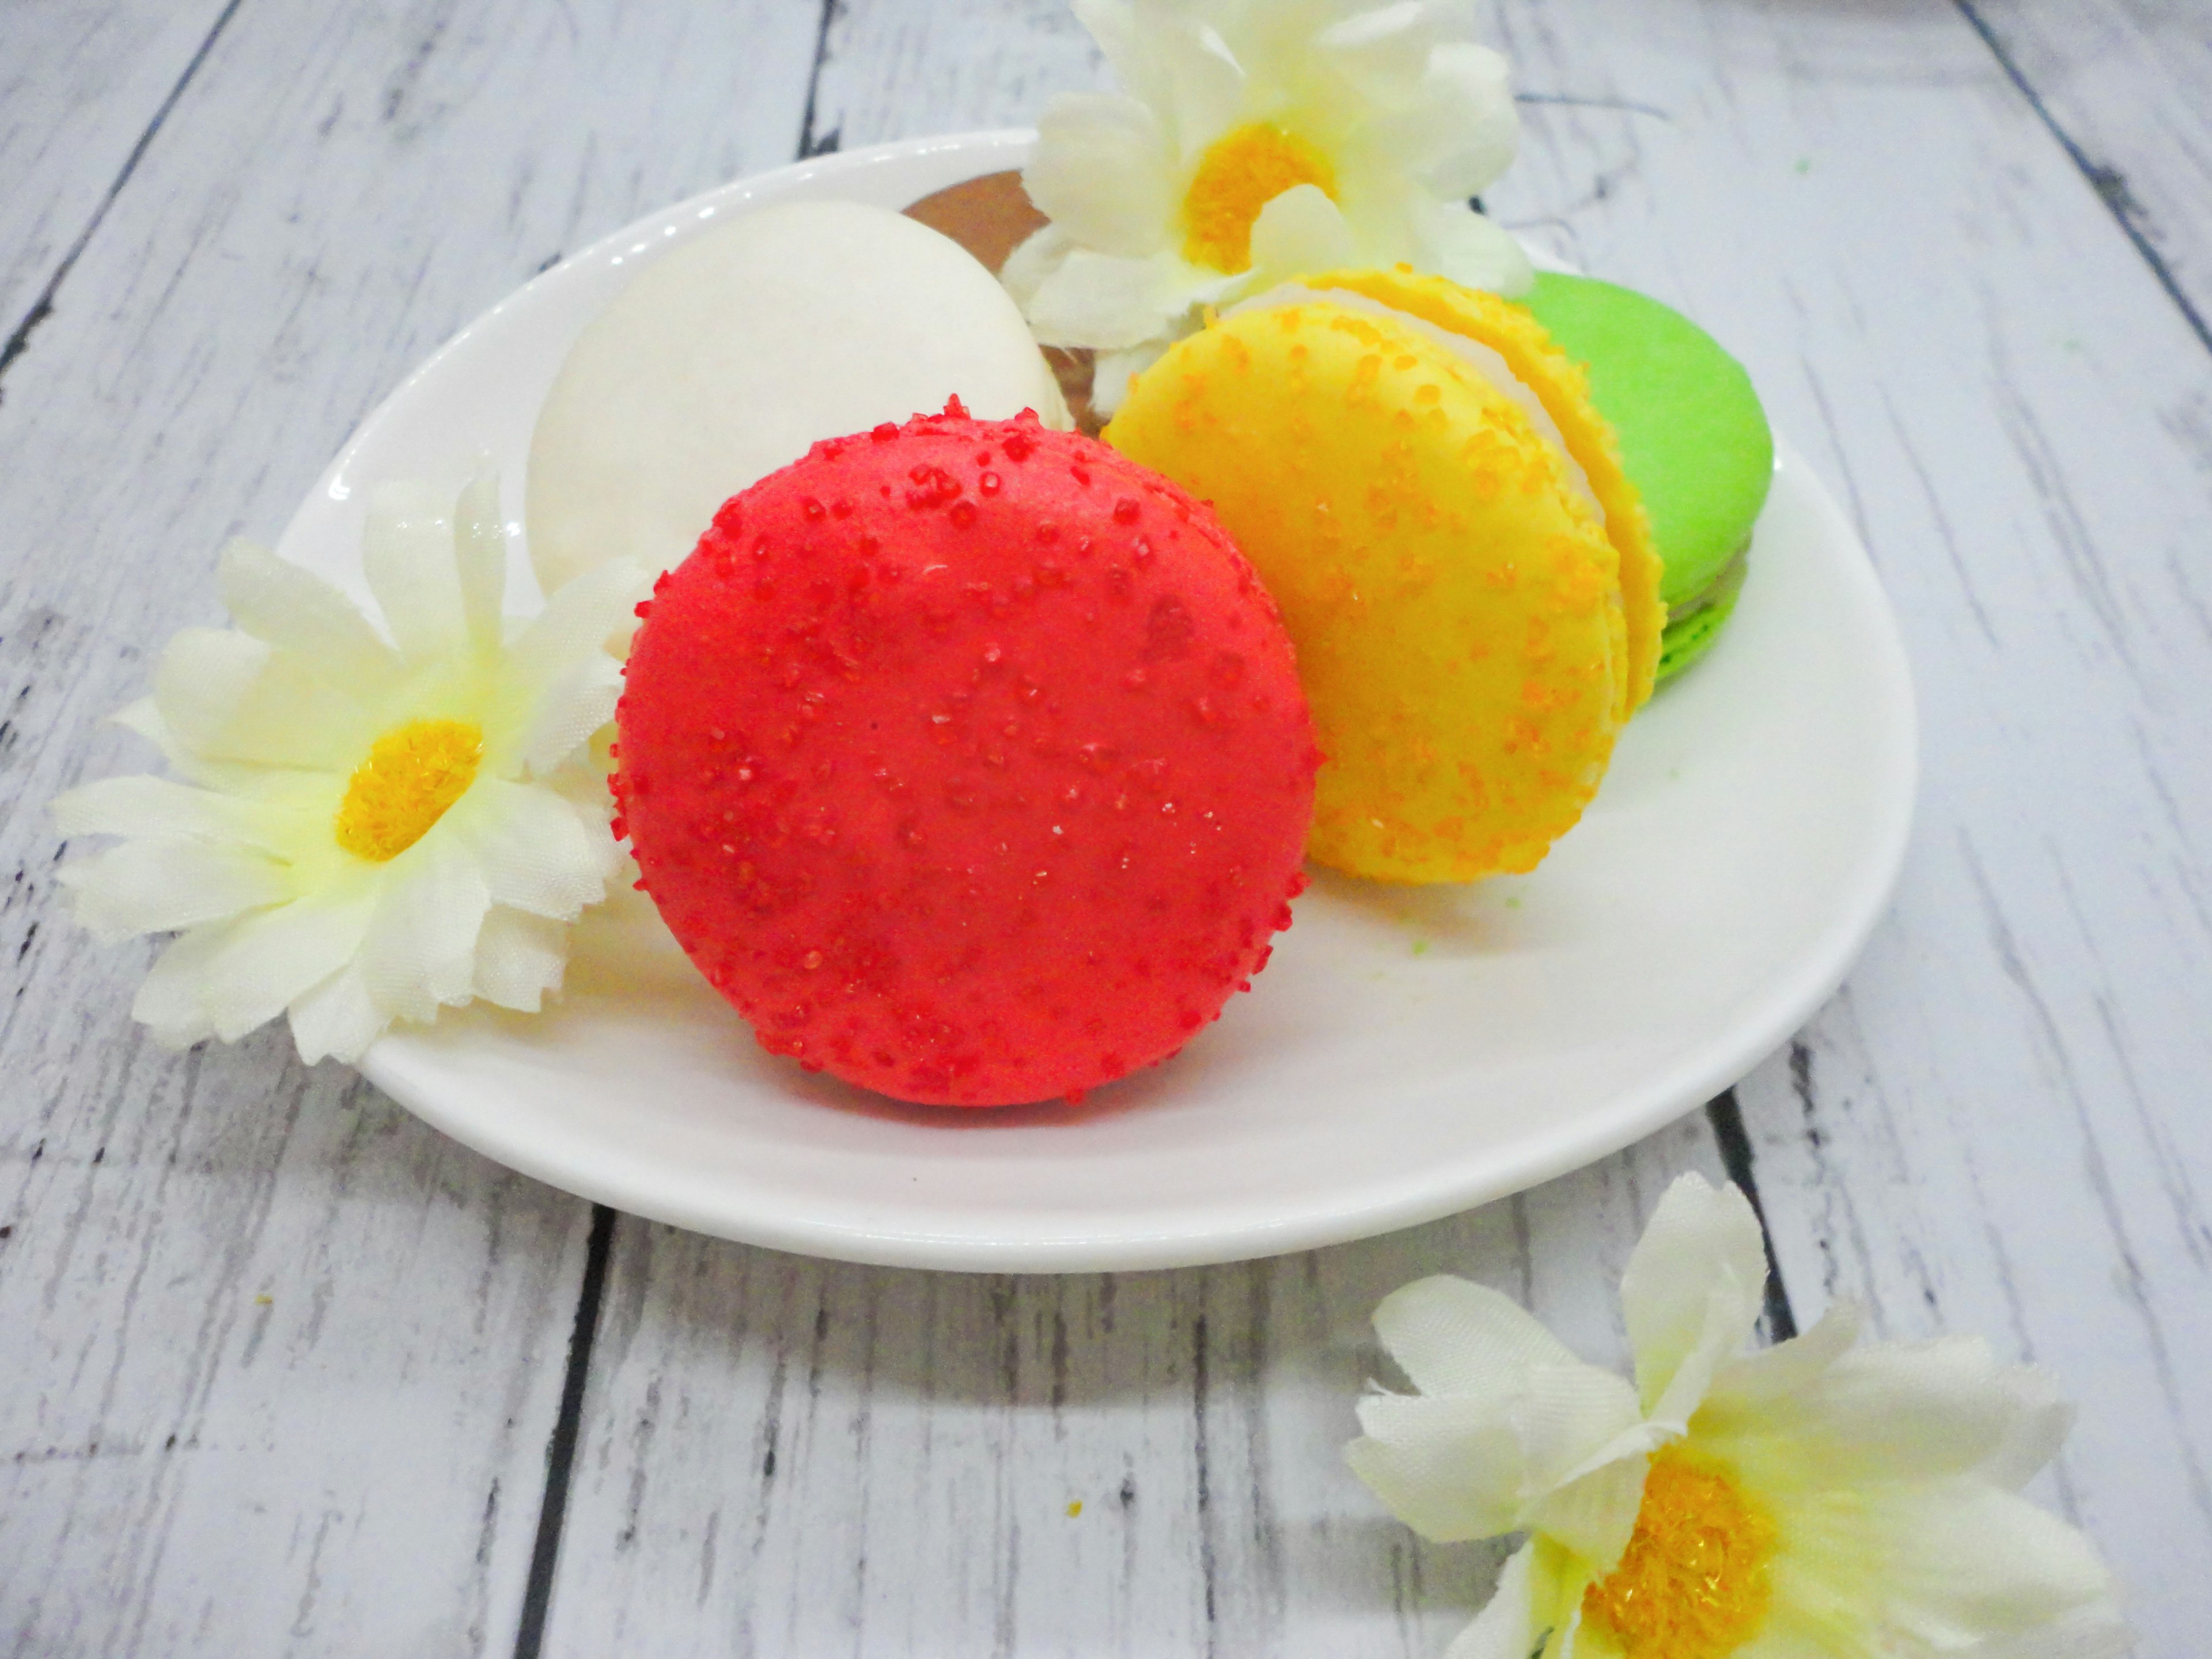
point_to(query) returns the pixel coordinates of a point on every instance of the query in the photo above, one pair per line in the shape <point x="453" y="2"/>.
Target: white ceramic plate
<point x="1409" y="1052"/>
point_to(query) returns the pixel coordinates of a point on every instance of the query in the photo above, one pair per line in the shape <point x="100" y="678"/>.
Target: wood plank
<point x="1999" y="1127"/>
<point x="784" y="1456"/>
<point x="282" y="1359"/>
<point x="891" y="71"/>
<point x="282" y="1362"/>
<point x="2129" y="84"/>
<point x="80" y="87"/>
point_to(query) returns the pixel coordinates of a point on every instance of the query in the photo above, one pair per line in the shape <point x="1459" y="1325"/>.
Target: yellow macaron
<point x="1435" y="531"/>
<point x="1562" y="387"/>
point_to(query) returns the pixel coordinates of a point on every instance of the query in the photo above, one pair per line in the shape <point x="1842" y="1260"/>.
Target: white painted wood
<point x="354" y="1463"/>
<point x="2125" y="80"/>
<point x="282" y="1361"/>
<point x="788" y="1457"/>
<point x="2000" y="1126"/>
<point x="79" y="86"/>
<point x="895" y="70"/>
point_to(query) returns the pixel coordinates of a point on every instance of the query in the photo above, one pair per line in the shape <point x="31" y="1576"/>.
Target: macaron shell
<point x="1690" y="635"/>
<point x="968" y="760"/>
<point x="1451" y="597"/>
<point x="731" y="352"/>
<point x="1562" y="388"/>
<point x="1692" y="434"/>
<point x="1689" y="639"/>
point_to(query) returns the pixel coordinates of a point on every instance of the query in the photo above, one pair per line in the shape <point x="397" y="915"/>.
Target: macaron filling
<point x="1721" y="590"/>
<point x="1485" y="361"/>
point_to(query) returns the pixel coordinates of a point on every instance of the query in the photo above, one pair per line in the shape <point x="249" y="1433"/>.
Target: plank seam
<point x="561" y="1445"/>
<point x="808" y="145"/>
<point x="1727" y="1118"/>
<point x="2110" y="185"/>
<point x="19" y="341"/>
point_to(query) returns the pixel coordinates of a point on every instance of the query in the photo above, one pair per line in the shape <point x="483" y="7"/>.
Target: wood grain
<point x="2122" y="82"/>
<point x="894" y="70"/>
<point x="281" y="1364"/>
<point x="1998" y="1127"/>
<point x="784" y="1456"/>
<point x="81" y="85"/>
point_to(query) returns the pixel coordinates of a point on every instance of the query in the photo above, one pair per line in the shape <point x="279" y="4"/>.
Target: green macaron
<point x="1694" y="440"/>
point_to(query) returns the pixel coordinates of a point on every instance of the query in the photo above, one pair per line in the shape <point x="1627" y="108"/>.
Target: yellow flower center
<point x="413" y="774"/>
<point x="1694" y="1583"/>
<point x="1241" y="172"/>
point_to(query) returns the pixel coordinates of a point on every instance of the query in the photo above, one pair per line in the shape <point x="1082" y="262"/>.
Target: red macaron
<point x="968" y="760"/>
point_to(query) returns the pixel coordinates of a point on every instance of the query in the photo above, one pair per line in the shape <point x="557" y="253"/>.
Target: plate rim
<point x="1443" y="1189"/>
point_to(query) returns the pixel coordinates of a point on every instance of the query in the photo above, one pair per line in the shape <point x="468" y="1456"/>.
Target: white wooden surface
<point x="2122" y="82"/>
<point x="254" y="219"/>
<point x="81" y="89"/>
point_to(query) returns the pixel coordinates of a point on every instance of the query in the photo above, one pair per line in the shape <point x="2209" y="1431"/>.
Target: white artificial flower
<point x="1259" y="140"/>
<point x="1813" y="1501"/>
<point x="365" y="826"/>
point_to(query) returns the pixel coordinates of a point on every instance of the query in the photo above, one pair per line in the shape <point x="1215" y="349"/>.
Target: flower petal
<point x="1791" y="1367"/>
<point x="407" y="554"/>
<point x="156" y="884"/>
<point x="140" y="804"/>
<point x="1205" y="86"/>
<point x="1506" y="1627"/>
<point x="2095" y="1630"/>
<point x="1102" y="172"/>
<point x="1462" y="131"/>
<point x="480" y="559"/>
<point x="1594" y="1515"/>
<point x="1451" y="1336"/>
<point x="144" y="718"/>
<point x="1035" y="258"/>
<point x="1731" y="1309"/>
<point x="568" y="711"/>
<point x="1573" y="1419"/>
<point x="168" y="1002"/>
<point x="1095" y="300"/>
<point x="1781" y="1639"/>
<point x="1966" y="1562"/>
<point x="337" y="1019"/>
<point x="1693" y="1287"/>
<point x="1450" y="1468"/>
<point x="581" y="618"/>
<point x="1298" y="232"/>
<point x="225" y="696"/>
<point x="267" y="959"/>
<point x="289" y="607"/>
<point x="1380" y="48"/>
<point x="1898" y="1412"/>
<point x="419" y="951"/>
<point x="1111" y="372"/>
<point x="1459" y="243"/>
<point x="1175" y="62"/>
<point x="2036" y="1423"/>
<point x="560" y="683"/>
<point x="205" y="675"/>
<point x="1584" y="1446"/>
<point x="519" y="958"/>
<point x="1556" y="1586"/>
<point x="536" y="851"/>
<point x="1112" y="25"/>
